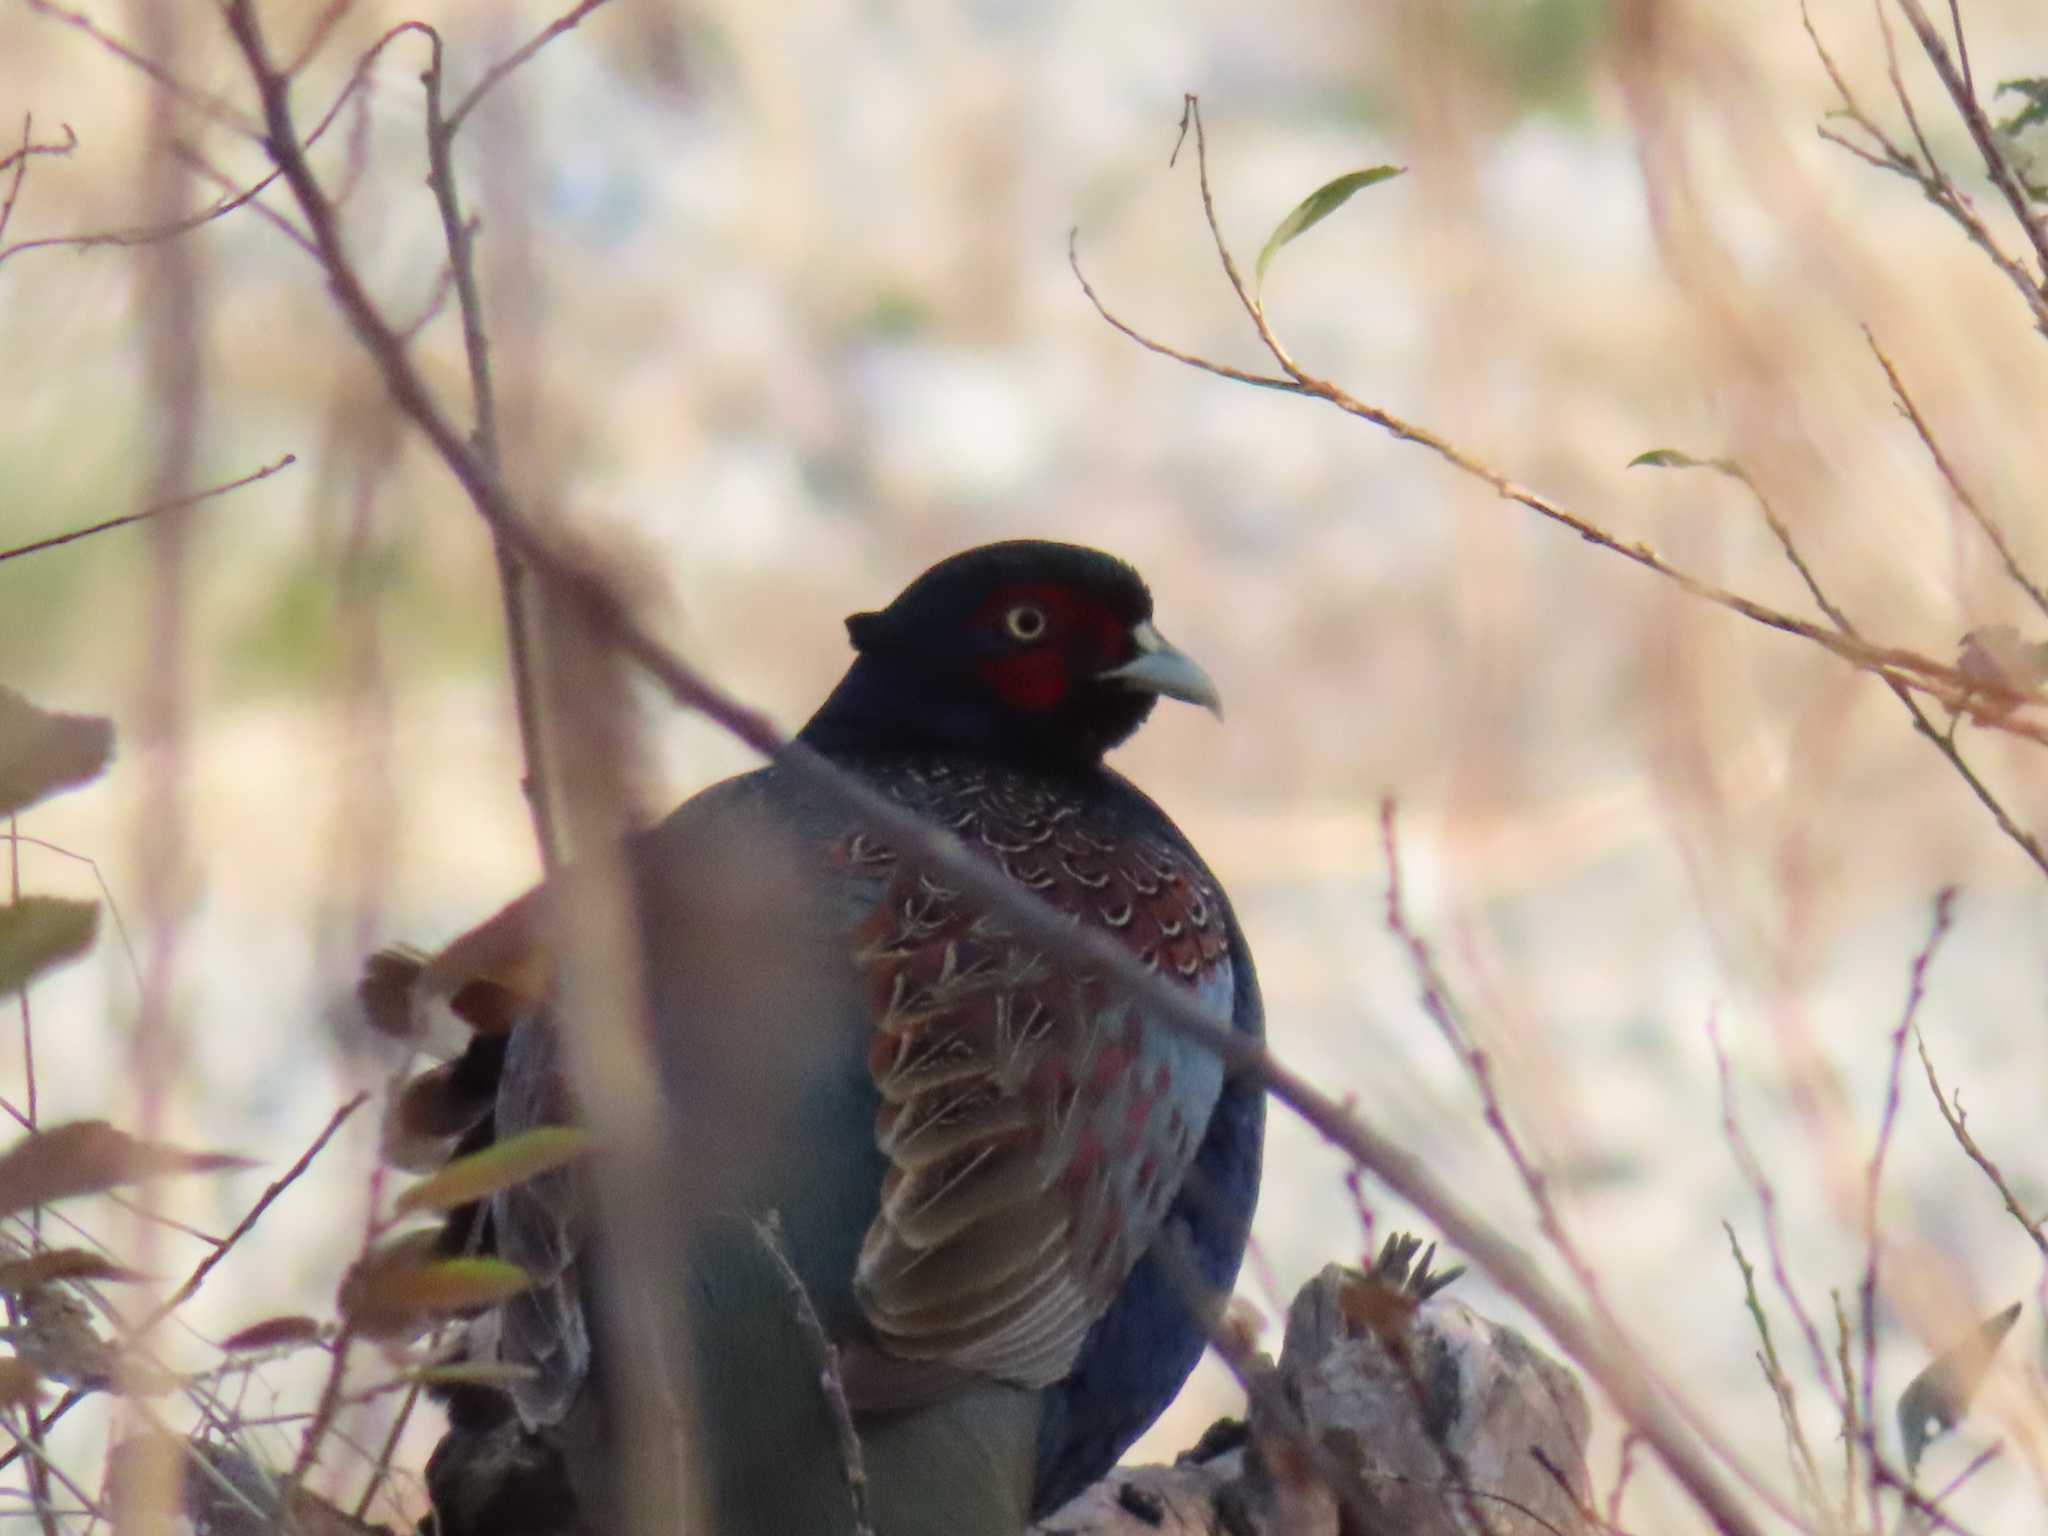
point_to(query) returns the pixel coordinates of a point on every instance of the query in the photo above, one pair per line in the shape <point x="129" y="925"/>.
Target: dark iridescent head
<point x="1025" y="651"/>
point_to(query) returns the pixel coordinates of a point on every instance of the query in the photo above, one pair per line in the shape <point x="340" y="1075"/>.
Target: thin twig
<point x="1955" y="21"/>
<point x="1439" y="1004"/>
<point x="40" y="1457"/>
<point x="1752" y="1171"/>
<point x="1905" y="100"/>
<point x="148" y="512"/>
<point x="204" y="101"/>
<point x="1942" y="741"/>
<point x="17" y="837"/>
<point x="324" y="1411"/>
<point x="38" y="1473"/>
<point x="254" y="1214"/>
<point x="495" y="75"/>
<point x="1804" y="1467"/>
<point x="381" y="1469"/>
<point x="1976" y="1464"/>
<point x="317" y="35"/>
<point x="460" y="235"/>
<point x="231" y="196"/>
<point x="1986" y="524"/>
<point x="1997" y="163"/>
<point x="1851" y="1438"/>
<point x="1916" y="990"/>
<point x="831" y="1381"/>
<point x="151" y="234"/>
<point x="1958" y="1126"/>
<point x="1933" y="183"/>
<point x="206" y="1265"/>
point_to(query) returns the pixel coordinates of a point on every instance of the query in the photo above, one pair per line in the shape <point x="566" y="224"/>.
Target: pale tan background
<point x="783" y="310"/>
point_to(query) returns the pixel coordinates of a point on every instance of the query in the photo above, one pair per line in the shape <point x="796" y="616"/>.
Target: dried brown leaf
<point x="386" y="991"/>
<point x="54" y="1264"/>
<point x="19" y="1383"/>
<point x="273" y="1333"/>
<point x="42" y="752"/>
<point x="87" y="1157"/>
<point x="38" y="933"/>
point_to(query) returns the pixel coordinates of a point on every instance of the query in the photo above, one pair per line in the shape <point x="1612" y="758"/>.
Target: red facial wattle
<point x="1082" y="638"/>
<point x="1033" y="681"/>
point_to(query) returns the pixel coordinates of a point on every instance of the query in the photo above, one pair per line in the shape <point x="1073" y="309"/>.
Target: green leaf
<point x="1939" y="1397"/>
<point x="2016" y="134"/>
<point x="1318" y="206"/>
<point x="470" y="1373"/>
<point x="2033" y="91"/>
<point x="499" y="1166"/>
<point x="402" y="1288"/>
<point x="1673" y="458"/>
<point x="39" y="932"/>
<point x="42" y="752"/>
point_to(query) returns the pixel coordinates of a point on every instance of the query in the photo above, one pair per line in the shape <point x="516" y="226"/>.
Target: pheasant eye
<point x="1025" y="622"/>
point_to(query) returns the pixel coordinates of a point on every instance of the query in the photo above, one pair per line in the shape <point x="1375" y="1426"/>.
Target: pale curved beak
<point x="1159" y="668"/>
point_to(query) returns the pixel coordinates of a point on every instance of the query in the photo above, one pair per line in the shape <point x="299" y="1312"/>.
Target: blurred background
<point x="782" y="312"/>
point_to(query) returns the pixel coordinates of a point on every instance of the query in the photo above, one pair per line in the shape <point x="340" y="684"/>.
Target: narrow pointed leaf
<point x="2033" y="109"/>
<point x="496" y="1167"/>
<point x="400" y="1289"/>
<point x="1938" y="1399"/>
<point x="471" y="1373"/>
<point x="87" y="1157"/>
<point x="42" y="752"/>
<point x="53" y="1264"/>
<point x="38" y="933"/>
<point x="273" y="1333"/>
<point x="1673" y="458"/>
<point x="1318" y="206"/>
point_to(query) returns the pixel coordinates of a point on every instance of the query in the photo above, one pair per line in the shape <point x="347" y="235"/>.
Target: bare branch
<point x="1943" y="742"/>
<point x="1804" y="1468"/>
<point x="1916" y="991"/>
<point x="768" y="1230"/>
<point x="1934" y="183"/>
<point x="148" y="512"/>
<point x="1957" y="1120"/>
<point x="460" y="235"/>
<point x="204" y="101"/>
<point x="1986" y="524"/>
<point x="1997" y="164"/>
<point x="19" y="159"/>
<point x="255" y="1212"/>
<point x="495" y="75"/>
<point x="150" y="234"/>
<point x="1752" y="1171"/>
